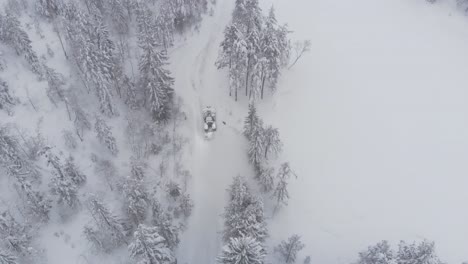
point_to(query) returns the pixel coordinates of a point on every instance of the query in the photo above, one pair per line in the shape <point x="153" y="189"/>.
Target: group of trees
<point x="382" y="253"/>
<point x="264" y="142"/>
<point x="245" y="229"/>
<point x="148" y="230"/>
<point x="255" y="49"/>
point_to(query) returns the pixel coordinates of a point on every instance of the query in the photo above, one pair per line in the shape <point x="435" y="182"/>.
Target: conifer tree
<point x="288" y="249"/>
<point x="272" y="143"/>
<point x="242" y="250"/>
<point x="6" y="258"/>
<point x="149" y="247"/>
<point x="104" y="134"/>
<point x="155" y="79"/>
<point x="76" y="176"/>
<point x="136" y="200"/>
<point x="7" y="101"/>
<point x="13" y="35"/>
<point x="108" y="231"/>
<point x="422" y="253"/>
<point x="244" y="213"/>
<point x="381" y="253"/>
<point x="281" y="193"/>
<point x="252" y="122"/>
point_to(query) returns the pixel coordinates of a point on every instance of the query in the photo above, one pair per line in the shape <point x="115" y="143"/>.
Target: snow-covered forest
<point x="233" y="131"/>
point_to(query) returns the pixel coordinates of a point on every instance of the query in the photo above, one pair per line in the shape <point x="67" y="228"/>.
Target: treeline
<point x="255" y="49"/>
<point x="414" y="253"/>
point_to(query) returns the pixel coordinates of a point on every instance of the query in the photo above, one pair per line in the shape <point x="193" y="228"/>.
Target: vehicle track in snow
<point x="214" y="162"/>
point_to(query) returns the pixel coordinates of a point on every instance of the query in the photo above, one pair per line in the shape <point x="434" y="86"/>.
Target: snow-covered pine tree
<point x="148" y="247"/>
<point x="381" y="253"/>
<point x="270" y="50"/>
<point x="422" y="253"/>
<point x="184" y="206"/>
<point x="272" y="143"/>
<point x="7" y="101"/>
<point x="165" y="27"/>
<point x="13" y="159"/>
<point x="36" y="203"/>
<point x="81" y="119"/>
<point x="288" y="250"/>
<point x="108" y="231"/>
<point x="186" y="12"/>
<point x="242" y="250"/>
<point x="62" y="184"/>
<point x="281" y="193"/>
<point x="93" y="52"/>
<point x="233" y="55"/>
<point x="164" y="223"/>
<point x="13" y="35"/>
<point x="244" y="214"/>
<point x="48" y="8"/>
<point x="17" y="240"/>
<point x="252" y="122"/>
<point x="55" y="82"/>
<point x="257" y="146"/>
<point x="251" y="22"/>
<point x="6" y="258"/>
<point x="17" y="166"/>
<point x="119" y="16"/>
<point x="104" y="134"/>
<point x="155" y="80"/>
<point x="76" y="176"/>
<point x="136" y="200"/>
<point x="265" y="177"/>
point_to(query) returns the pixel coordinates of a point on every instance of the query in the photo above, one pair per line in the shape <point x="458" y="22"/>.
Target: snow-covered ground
<point x="374" y="121"/>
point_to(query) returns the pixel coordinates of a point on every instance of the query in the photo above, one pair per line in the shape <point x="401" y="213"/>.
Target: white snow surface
<point x="373" y="119"/>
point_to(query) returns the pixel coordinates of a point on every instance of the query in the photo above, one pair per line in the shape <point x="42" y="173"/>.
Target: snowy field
<point x="374" y="119"/>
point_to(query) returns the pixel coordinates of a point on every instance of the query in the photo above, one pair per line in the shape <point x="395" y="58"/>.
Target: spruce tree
<point x="422" y="253"/>
<point x="149" y="247"/>
<point x="108" y="231"/>
<point x="272" y="143"/>
<point x="242" y="250"/>
<point x="244" y="213"/>
<point x="76" y="176"/>
<point x="381" y="253"/>
<point x="104" y="134"/>
<point x="136" y="200"/>
<point x="155" y="80"/>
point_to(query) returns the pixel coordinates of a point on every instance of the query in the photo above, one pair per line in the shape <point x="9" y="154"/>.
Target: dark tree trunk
<point x="263" y="83"/>
<point x="247" y="76"/>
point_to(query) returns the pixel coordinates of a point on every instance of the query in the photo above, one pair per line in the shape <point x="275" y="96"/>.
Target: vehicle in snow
<point x="209" y="121"/>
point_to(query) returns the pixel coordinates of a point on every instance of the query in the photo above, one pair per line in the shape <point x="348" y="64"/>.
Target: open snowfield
<point x="374" y="121"/>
